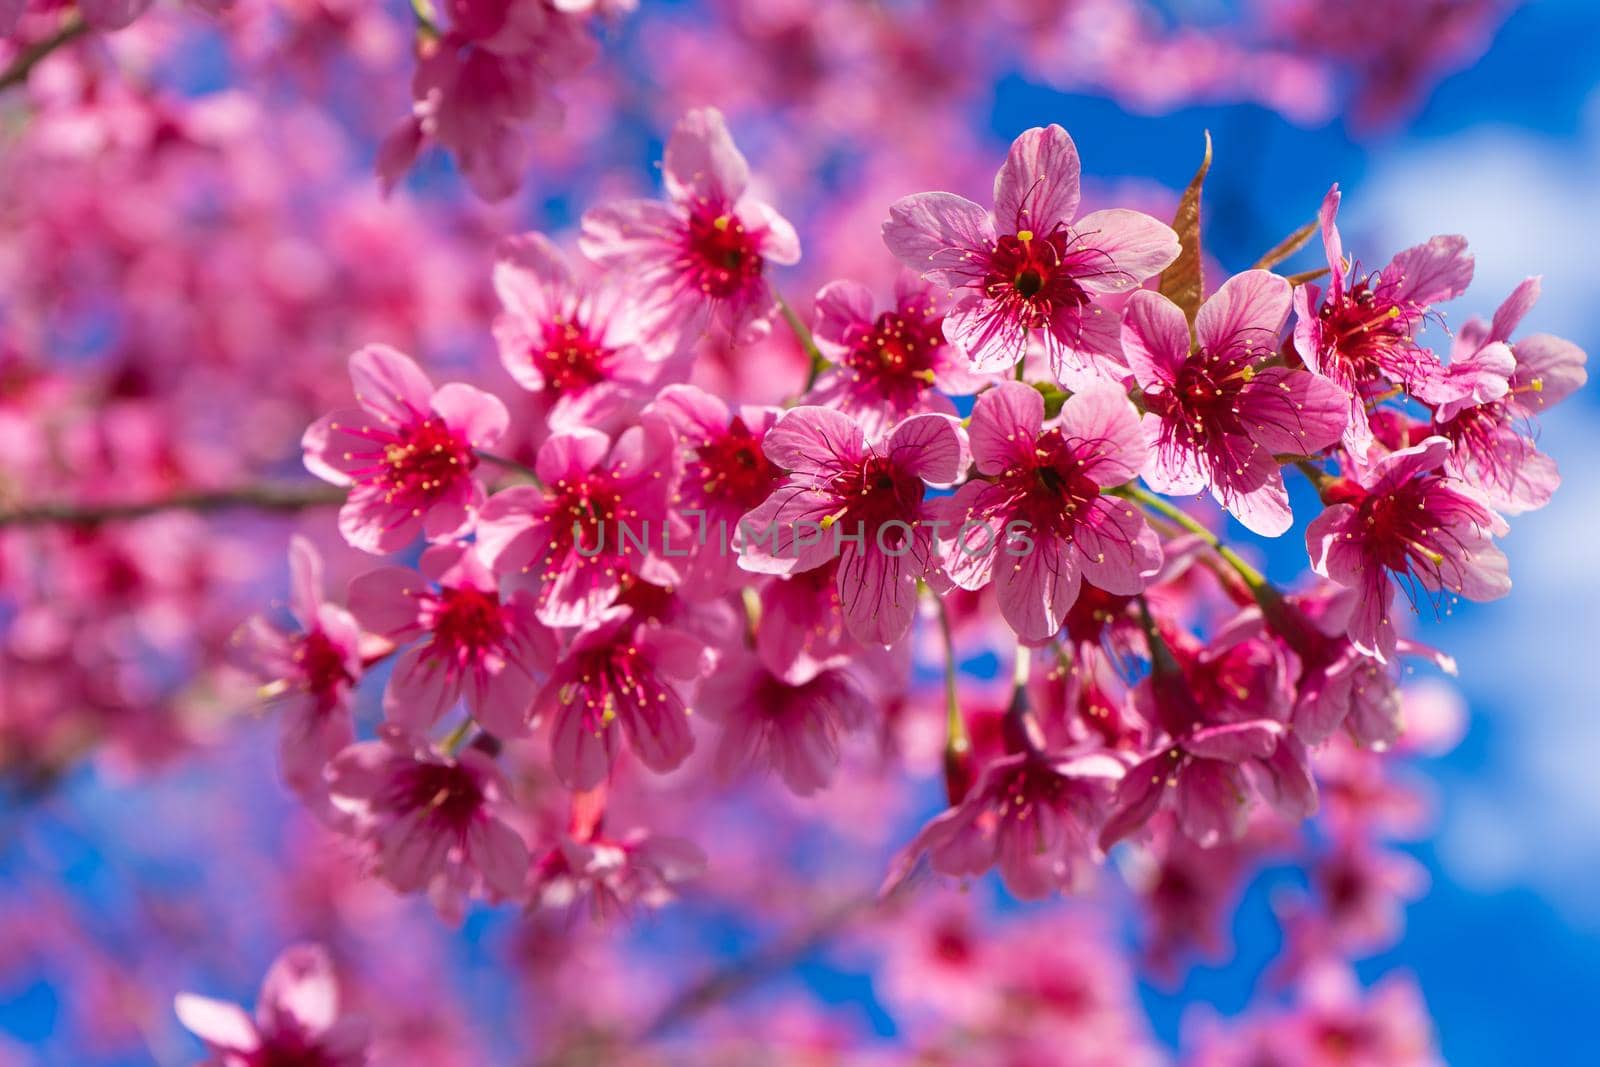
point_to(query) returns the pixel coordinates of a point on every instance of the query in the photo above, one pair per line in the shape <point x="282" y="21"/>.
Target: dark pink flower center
<point x="896" y="355"/>
<point x="570" y="358"/>
<point x="289" y="1049"/>
<point x="1053" y="491"/>
<point x="322" y="666"/>
<point x="1367" y="333"/>
<point x="1035" y="276"/>
<point x="422" y="459"/>
<point x="733" y="467"/>
<point x="586" y="513"/>
<point x="1413" y="531"/>
<point x="450" y="796"/>
<point x="467" y="622"/>
<point x="721" y="257"/>
<point x="874" y="493"/>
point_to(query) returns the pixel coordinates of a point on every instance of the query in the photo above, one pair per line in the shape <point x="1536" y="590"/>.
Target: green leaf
<point x="1287" y="247"/>
<point x="1184" y="282"/>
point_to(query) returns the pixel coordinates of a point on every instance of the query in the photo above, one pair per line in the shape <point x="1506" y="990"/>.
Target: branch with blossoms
<point x="763" y="565"/>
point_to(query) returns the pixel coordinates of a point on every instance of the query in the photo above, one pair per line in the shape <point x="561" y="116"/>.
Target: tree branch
<point x="250" y="497"/>
<point x="17" y="73"/>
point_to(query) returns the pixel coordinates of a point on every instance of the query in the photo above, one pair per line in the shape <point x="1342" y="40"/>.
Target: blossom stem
<point x="427" y="18"/>
<point x="957" y="745"/>
<point x="507" y="463"/>
<point x="1319" y="478"/>
<point x="1021" y="729"/>
<point x="456" y="738"/>
<point x="802" y="334"/>
<point x="17" y="73"/>
<point x="250" y="497"/>
<point x="1254" y="579"/>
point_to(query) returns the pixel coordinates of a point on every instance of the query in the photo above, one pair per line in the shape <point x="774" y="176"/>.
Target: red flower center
<point x="322" y="667"/>
<point x="587" y="518"/>
<point x="570" y="358"/>
<point x="895" y="355"/>
<point x="1368" y="333"/>
<point x="449" y="794"/>
<point x="467" y="622"/>
<point x="721" y="257"/>
<point x="1053" y="491"/>
<point x="732" y="467"/>
<point x="424" y="458"/>
<point x="875" y="493"/>
<point x="1036" y="276"/>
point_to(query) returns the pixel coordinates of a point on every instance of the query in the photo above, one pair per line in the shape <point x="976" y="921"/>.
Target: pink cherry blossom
<point x="620" y="673"/>
<point x="793" y="728"/>
<point x="725" y="474"/>
<point x="471" y="641"/>
<point x="1039" y="522"/>
<point x="573" y="343"/>
<point x="1406" y="518"/>
<point x="570" y="535"/>
<point x="1028" y="271"/>
<point x="1219" y="415"/>
<point x="886" y="366"/>
<point x="312" y="672"/>
<point x="1221" y="711"/>
<point x="1492" y="446"/>
<point x="706" y="249"/>
<point x="1362" y="337"/>
<point x="433" y="822"/>
<point x="1034" y="815"/>
<point x="862" y="503"/>
<point x="297" y="1020"/>
<point x="408" y="453"/>
<point x="480" y="83"/>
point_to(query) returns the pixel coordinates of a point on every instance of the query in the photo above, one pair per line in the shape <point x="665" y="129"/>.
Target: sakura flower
<point x="704" y="251"/>
<point x="614" y="875"/>
<point x="1406" y="518"/>
<point x="794" y="729"/>
<point x="571" y="533"/>
<point x="1032" y="814"/>
<point x="1039" y="522"/>
<point x="1491" y="448"/>
<point x="886" y="366"/>
<point x="1363" y="335"/>
<point x="312" y="673"/>
<point x="476" y="86"/>
<point x="1218" y="415"/>
<point x="1340" y="685"/>
<point x="473" y="642"/>
<point x="1221" y="710"/>
<point x="408" y="453"/>
<point x="802" y="631"/>
<point x="575" y="344"/>
<point x="432" y="821"/>
<point x="862" y="503"/>
<point x="620" y="672"/>
<point x="1028" y="270"/>
<point x="725" y="474"/>
<point x="297" y="1019"/>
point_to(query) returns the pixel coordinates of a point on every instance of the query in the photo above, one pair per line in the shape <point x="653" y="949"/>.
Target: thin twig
<point x="17" y="73"/>
<point x="250" y="497"/>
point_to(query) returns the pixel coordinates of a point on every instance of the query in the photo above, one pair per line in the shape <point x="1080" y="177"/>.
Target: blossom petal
<point x="1132" y="247"/>
<point x="701" y="161"/>
<point x="936" y="235"/>
<point x="1037" y="187"/>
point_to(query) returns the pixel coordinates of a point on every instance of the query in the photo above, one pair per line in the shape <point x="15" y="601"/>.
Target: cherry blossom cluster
<point x="651" y="560"/>
<point x="577" y="600"/>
